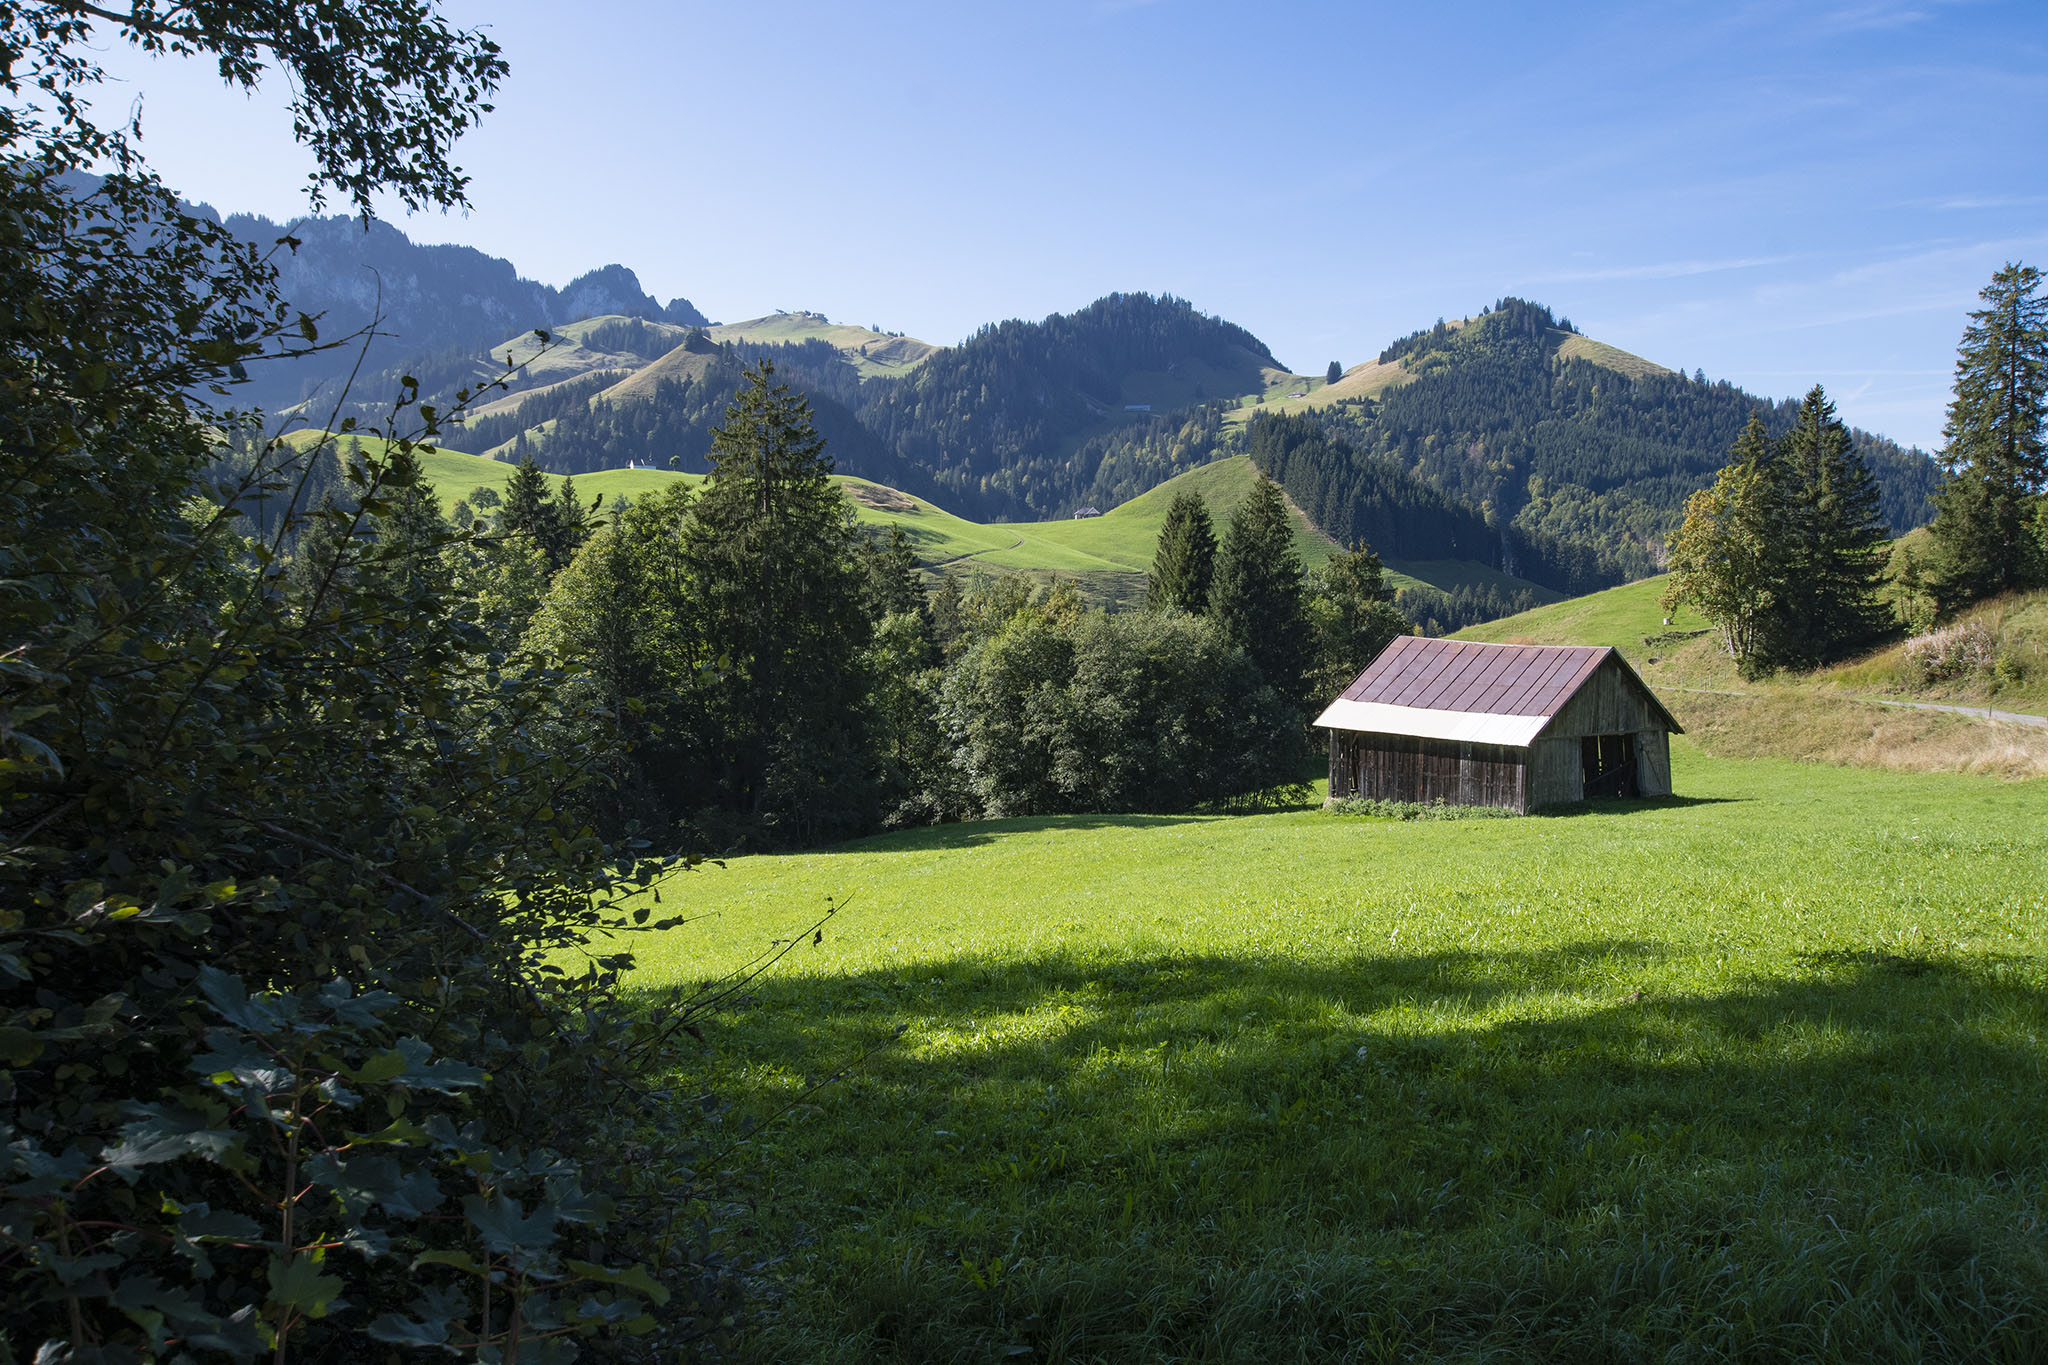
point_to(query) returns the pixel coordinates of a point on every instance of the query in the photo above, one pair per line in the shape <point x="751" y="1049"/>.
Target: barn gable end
<point x="1516" y="726"/>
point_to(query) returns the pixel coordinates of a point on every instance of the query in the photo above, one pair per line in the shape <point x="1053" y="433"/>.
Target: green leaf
<point x="460" y="1260"/>
<point x="202" y="1223"/>
<point x="165" y="1135"/>
<point x="443" y="1077"/>
<point x="378" y="1180"/>
<point x="633" y="1277"/>
<point x="18" y="1046"/>
<point x="506" y="1229"/>
<point x="391" y="1328"/>
<point x="299" y="1284"/>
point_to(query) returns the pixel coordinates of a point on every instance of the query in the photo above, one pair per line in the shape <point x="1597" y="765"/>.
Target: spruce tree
<point x="1993" y="443"/>
<point x="776" y="591"/>
<point x="531" y="511"/>
<point x="1257" y="595"/>
<point x="1334" y="373"/>
<point x="1833" y="539"/>
<point x="414" y="531"/>
<point x="1352" y="617"/>
<point x="1184" y="565"/>
<point x="572" y="521"/>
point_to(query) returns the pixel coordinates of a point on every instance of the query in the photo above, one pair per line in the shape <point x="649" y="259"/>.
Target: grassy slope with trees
<point x="1106" y="556"/>
<point x="1831" y="714"/>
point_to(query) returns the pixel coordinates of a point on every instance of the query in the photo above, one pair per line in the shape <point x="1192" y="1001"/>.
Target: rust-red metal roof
<point x="1465" y="675"/>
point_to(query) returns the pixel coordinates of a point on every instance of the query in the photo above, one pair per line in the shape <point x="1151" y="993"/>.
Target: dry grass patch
<point x="879" y="496"/>
<point x="1857" y="734"/>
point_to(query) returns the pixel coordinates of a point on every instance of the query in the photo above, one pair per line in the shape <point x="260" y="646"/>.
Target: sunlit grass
<point x="1753" y="1074"/>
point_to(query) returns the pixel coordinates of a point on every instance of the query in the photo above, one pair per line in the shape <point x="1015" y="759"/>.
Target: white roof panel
<point x="1478" y="727"/>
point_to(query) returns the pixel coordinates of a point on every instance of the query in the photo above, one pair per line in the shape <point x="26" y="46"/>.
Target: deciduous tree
<point x="1723" y="558"/>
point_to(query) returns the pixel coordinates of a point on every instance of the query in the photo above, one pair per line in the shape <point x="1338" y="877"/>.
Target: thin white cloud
<point x="1992" y="201"/>
<point x="1879" y="15"/>
<point x="1662" y="270"/>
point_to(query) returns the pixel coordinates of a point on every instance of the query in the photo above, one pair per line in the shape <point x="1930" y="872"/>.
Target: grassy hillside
<point x="1838" y="714"/>
<point x="872" y="353"/>
<point x="1749" y="1074"/>
<point x="1374" y="378"/>
<point x="565" y="355"/>
<point x="1575" y="346"/>
<point x="1623" y="617"/>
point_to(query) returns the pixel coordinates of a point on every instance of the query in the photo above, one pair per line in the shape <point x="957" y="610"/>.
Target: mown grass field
<point x="1752" y="1074"/>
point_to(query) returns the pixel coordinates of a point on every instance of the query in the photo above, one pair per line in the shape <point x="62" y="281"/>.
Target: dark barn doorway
<point x="1608" y="764"/>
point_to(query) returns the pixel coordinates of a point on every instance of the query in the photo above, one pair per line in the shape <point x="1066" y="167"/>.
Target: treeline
<point x="635" y="336"/>
<point x="1441" y="611"/>
<point x="1517" y="314"/>
<point x="757" y="671"/>
<point x="1355" y="496"/>
<point x="990" y="418"/>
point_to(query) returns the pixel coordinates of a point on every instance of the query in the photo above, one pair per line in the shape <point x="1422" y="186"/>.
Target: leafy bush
<point x="1093" y="712"/>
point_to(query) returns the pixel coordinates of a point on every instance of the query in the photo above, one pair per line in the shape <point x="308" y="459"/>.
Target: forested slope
<point x="1511" y="414"/>
<point x="1022" y="419"/>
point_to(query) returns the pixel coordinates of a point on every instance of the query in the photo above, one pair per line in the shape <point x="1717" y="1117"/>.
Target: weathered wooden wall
<point x="1653" y="762"/>
<point x="1555" y="776"/>
<point x="1608" y="703"/>
<point x="1405" y="768"/>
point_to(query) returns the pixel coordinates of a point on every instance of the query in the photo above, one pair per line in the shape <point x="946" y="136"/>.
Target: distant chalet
<point x="1518" y="726"/>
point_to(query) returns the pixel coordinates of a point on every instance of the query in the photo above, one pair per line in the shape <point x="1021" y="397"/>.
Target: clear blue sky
<point x="1777" y="193"/>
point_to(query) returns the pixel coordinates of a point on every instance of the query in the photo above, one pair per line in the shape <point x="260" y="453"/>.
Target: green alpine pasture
<point x="1754" y="1073"/>
<point x="1108" y="554"/>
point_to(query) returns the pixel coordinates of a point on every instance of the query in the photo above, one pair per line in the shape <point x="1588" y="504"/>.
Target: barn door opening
<point x="1608" y="764"/>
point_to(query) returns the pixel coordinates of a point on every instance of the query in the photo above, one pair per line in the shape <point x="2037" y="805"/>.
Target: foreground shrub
<point x="310" y="1036"/>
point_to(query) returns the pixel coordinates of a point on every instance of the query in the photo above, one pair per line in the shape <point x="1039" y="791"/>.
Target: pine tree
<point x="572" y="520"/>
<point x="1352" y="617"/>
<point x="1334" y="373"/>
<point x="1184" y="565"/>
<point x="1724" y="558"/>
<point x="412" y="531"/>
<point x="777" y="605"/>
<point x="531" y="511"/>
<point x="1832" y="541"/>
<point x="1993" y="443"/>
<point x="1257" y="595"/>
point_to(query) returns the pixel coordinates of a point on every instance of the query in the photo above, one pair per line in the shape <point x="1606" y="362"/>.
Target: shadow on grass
<point x="1632" y="805"/>
<point x="1528" y="1153"/>
<point x="973" y="833"/>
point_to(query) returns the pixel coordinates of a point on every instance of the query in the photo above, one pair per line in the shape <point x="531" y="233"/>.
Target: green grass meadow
<point x="1754" y="1073"/>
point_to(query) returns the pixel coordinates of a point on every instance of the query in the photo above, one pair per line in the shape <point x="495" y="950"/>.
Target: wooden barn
<point x="1519" y="726"/>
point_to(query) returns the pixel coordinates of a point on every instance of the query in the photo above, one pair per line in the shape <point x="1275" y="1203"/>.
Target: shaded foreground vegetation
<point x="1755" y="1073"/>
